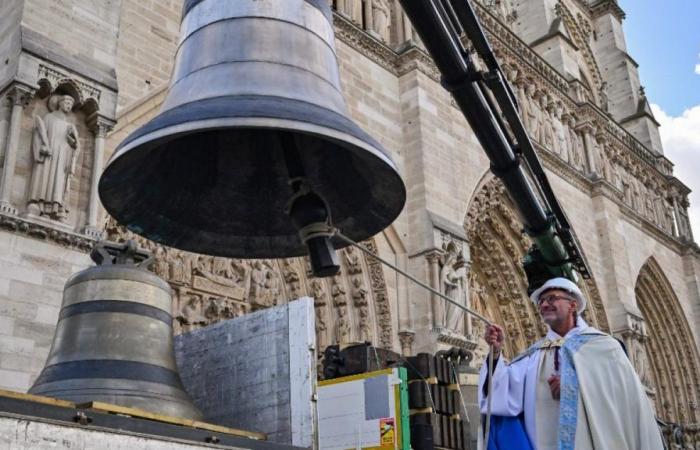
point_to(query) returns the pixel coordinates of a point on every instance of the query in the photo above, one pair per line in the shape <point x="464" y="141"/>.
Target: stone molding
<point x="43" y="232"/>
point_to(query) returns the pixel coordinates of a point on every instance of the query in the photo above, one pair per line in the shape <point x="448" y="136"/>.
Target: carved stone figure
<point x="338" y="292"/>
<point x="342" y="326"/>
<point x="641" y="363"/>
<point x="359" y="293"/>
<point x="318" y="292"/>
<point x="264" y="285"/>
<point x="604" y="100"/>
<point x="537" y="115"/>
<point x="161" y="266"/>
<point x="365" y="329"/>
<point x="203" y="265"/>
<point x="381" y="18"/>
<point x="352" y="259"/>
<point x="321" y="329"/>
<point x="55" y="150"/>
<point x="257" y="280"/>
<point x="524" y="102"/>
<point x="576" y="157"/>
<point x="547" y="131"/>
<point x="560" y="142"/>
<point x="191" y="315"/>
<point x="291" y="277"/>
<point x="453" y="276"/>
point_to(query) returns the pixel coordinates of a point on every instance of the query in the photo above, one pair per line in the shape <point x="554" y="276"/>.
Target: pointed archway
<point x="498" y="285"/>
<point x="674" y="362"/>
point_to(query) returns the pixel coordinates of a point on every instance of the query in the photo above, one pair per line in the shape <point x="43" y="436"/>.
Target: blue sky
<point x="663" y="36"/>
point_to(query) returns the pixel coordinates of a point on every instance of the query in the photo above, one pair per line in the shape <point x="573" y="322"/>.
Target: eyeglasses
<point x="553" y="298"/>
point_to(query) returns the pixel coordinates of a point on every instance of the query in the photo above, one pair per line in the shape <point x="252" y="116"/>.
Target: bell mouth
<point x="210" y="177"/>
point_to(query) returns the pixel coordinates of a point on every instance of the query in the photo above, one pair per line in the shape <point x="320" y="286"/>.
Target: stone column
<point x="406" y="338"/>
<point x="407" y="27"/>
<point x="677" y="216"/>
<point x="437" y="303"/>
<point x="467" y="301"/>
<point x="19" y="97"/>
<point x="99" y="131"/>
<point x="369" y="16"/>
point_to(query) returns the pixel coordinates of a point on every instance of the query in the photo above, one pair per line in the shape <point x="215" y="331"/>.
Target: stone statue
<point x="547" y="133"/>
<point x="190" y="316"/>
<point x="642" y="365"/>
<point x="575" y="143"/>
<point x="161" y="266"/>
<point x="291" y="277"/>
<point x="342" y="326"/>
<point x="257" y="280"/>
<point x="321" y="328"/>
<point x="538" y="116"/>
<point x="352" y="260"/>
<point x="365" y="329"/>
<point x="359" y="293"/>
<point x="453" y="276"/>
<point x="338" y="292"/>
<point x="604" y="100"/>
<point x="560" y="142"/>
<point x="55" y="148"/>
<point x="523" y="104"/>
<point x="381" y="16"/>
<point x="318" y="292"/>
<point x="528" y="108"/>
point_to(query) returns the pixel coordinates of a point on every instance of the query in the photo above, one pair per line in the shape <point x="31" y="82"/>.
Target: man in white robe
<point x="575" y="388"/>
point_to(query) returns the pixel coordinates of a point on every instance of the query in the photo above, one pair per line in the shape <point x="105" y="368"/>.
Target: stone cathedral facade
<point x="77" y="76"/>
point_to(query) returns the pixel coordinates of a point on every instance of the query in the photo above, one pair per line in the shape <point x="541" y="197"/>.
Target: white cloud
<point x="681" y="140"/>
<point x="697" y="69"/>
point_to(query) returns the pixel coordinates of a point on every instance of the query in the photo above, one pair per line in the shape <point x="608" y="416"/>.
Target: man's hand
<point x="555" y="386"/>
<point x="494" y="337"/>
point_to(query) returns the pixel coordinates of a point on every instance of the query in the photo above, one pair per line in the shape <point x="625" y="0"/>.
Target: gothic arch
<point x="498" y="283"/>
<point x="671" y="350"/>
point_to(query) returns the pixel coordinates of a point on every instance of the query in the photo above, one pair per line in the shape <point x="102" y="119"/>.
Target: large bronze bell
<point x="114" y="338"/>
<point x="254" y="103"/>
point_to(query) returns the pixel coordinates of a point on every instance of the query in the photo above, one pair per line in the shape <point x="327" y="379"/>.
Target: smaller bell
<point x="114" y="338"/>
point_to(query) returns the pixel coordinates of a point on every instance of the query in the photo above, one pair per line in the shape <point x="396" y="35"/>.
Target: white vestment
<point x="612" y="410"/>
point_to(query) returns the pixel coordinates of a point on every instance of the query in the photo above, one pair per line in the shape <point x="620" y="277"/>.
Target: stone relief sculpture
<point x="352" y="260"/>
<point x="537" y="115"/>
<point x="561" y="146"/>
<point x="603" y="93"/>
<point x="209" y="289"/>
<point x="547" y="133"/>
<point x="55" y="150"/>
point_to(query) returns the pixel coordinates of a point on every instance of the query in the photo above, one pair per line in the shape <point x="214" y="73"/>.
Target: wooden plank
<point x="37" y="399"/>
<point x="139" y="413"/>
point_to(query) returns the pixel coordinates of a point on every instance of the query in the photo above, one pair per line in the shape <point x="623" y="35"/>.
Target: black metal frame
<point x="488" y="104"/>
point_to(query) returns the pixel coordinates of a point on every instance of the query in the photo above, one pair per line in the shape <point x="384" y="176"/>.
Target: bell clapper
<point x="310" y="214"/>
